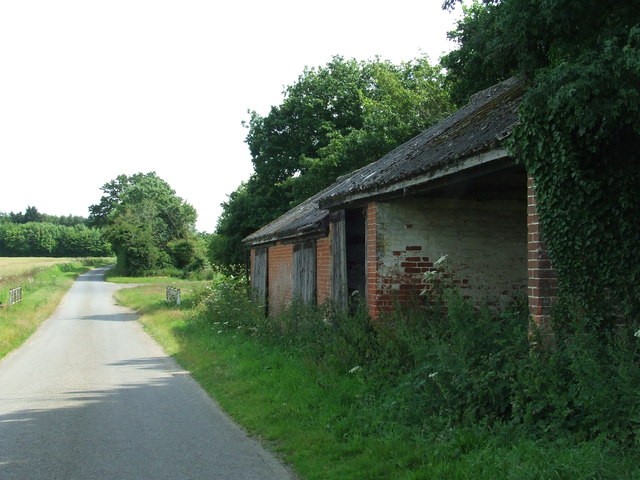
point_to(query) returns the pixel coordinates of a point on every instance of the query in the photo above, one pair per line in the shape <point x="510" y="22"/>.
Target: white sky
<point x="93" y="89"/>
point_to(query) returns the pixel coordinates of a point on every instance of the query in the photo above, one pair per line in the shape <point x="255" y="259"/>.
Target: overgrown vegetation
<point x="578" y="136"/>
<point x="446" y="363"/>
<point x="444" y="390"/>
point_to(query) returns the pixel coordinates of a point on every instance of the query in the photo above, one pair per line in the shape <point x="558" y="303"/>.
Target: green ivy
<point x="579" y="137"/>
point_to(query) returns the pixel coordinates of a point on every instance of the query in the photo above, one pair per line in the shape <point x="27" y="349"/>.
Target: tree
<point x="141" y="216"/>
<point x="31" y="214"/>
<point x="244" y="212"/>
<point x="333" y="120"/>
<point x="43" y="238"/>
<point x="579" y="134"/>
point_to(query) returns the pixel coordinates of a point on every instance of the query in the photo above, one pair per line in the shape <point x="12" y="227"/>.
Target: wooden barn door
<point x="259" y="279"/>
<point x="304" y="271"/>
<point x="339" y="257"/>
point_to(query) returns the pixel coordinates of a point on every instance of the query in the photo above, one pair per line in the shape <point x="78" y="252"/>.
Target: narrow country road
<point x="92" y="396"/>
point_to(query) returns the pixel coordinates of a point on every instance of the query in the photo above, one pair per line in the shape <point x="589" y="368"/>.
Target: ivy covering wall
<point x="579" y="138"/>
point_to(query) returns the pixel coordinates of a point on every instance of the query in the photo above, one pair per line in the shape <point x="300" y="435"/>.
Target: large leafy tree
<point x="334" y="119"/>
<point x="579" y="134"/>
<point x="143" y="218"/>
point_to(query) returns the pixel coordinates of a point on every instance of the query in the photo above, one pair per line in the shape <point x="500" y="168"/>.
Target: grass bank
<point x="328" y="420"/>
<point x="44" y="281"/>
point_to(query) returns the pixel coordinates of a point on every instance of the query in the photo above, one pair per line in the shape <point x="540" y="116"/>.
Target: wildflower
<point x="355" y="369"/>
<point x="637" y="334"/>
<point x="433" y="374"/>
<point x="440" y="261"/>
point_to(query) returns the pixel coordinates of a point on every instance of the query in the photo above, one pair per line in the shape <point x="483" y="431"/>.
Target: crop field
<point x="18" y="266"/>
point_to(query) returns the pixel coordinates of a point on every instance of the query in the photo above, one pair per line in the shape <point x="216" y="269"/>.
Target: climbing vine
<point x="579" y="137"/>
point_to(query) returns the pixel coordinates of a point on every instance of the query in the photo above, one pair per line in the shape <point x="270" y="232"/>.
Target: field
<point x="11" y="267"/>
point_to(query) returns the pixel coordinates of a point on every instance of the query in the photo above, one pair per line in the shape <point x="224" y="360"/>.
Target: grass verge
<point x="328" y="423"/>
<point x="43" y="287"/>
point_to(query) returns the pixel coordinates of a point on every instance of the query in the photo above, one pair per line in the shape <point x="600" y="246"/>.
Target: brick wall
<point x="374" y="302"/>
<point x="323" y="269"/>
<point x="280" y="277"/>
<point x="485" y="241"/>
<point x="542" y="277"/>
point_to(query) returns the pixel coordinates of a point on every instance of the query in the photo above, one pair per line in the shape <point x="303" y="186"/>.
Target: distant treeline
<point x="31" y="214"/>
<point x="33" y="234"/>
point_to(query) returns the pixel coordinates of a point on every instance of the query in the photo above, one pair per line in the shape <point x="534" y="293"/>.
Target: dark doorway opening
<point x="355" y="233"/>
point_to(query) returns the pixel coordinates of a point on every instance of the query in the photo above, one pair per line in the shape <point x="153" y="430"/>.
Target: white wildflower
<point x="355" y="369"/>
<point x="440" y="261"/>
<point x="637" y="334"/>
<point x="433" y="374"/>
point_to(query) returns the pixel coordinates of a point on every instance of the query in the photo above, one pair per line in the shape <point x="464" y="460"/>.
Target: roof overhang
<point x="304" y="233"/>
<point x="452" y="173"/>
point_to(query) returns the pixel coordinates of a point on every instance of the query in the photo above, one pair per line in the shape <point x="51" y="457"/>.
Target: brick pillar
<point x="373" y="293"/>
<point x="323" y="269"/>
<point x="543" y="282"/>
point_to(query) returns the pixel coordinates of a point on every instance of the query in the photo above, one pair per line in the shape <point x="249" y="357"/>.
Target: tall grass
<point x="441" y="391"/>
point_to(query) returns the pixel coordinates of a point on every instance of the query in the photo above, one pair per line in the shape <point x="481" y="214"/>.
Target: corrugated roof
<point x="478" y="127"/>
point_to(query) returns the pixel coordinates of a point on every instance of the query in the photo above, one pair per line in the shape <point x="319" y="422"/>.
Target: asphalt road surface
<point x="92" y="396"/>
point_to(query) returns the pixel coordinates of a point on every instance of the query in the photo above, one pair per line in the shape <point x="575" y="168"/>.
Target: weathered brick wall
<point x="485" y="241"/>
<point x="374" y="291"/>
<point x="280" y="277"/>
<point x="323" y="269"/>
<point x="542" y="277"/>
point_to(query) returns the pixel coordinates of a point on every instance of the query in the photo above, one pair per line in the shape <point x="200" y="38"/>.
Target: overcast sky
<point x="93" y="89"/>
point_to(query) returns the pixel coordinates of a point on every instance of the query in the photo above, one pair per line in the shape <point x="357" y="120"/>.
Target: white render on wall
<point x="485" y="242"/>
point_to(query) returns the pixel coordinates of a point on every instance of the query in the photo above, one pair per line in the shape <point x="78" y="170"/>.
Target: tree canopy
<point x="147" y="224"/>
<point x="334" y="119"/>
<point x="32" y="234"/>
<point x="36" y="239"/>
<point x="31" y="214"/>
<point x="579" y="133"/>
